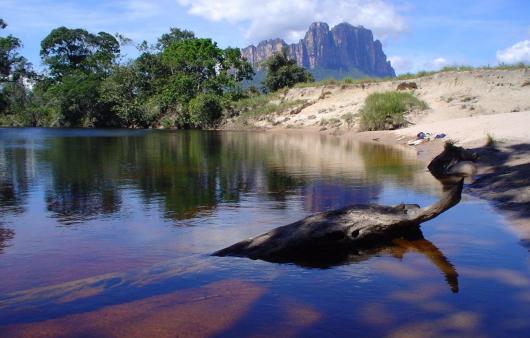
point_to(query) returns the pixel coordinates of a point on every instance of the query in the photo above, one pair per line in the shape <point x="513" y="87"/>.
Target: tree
<point x="65" y="50"/>
<point x="15" y="75"/>
<point x="174" y="35"/>
<point x="128" y="92"/>
<point x="283" y="72"/>
<point x="181" y="81"/>
<point x="78" y="62"/>
<point x="198" y="66"/>
<point x="203" y="109"/>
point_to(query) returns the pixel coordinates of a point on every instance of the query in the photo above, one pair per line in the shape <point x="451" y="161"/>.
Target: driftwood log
<point x="358" y="226"/>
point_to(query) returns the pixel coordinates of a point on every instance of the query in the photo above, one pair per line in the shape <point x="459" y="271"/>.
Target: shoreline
<point x="486" y="111"/>
<point x="503" y="170"/>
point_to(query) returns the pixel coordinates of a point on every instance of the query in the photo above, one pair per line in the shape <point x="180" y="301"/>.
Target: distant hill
<point x="343" y="51"/>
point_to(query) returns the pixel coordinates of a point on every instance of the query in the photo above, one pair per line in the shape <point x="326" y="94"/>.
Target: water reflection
<point x="16" y="177"/>
<point x="152" y="205"/>
<point x="191" y="172"/>
<point x="410" y="242"/>
<point x="5" y="236"/>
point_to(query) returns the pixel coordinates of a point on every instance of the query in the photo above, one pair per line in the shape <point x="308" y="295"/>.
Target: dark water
<point x="108" y="233"/>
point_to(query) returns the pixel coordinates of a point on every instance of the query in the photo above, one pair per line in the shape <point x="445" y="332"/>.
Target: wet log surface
<point x="356" y="227"/>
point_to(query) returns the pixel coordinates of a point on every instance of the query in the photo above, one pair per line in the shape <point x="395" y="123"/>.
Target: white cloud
<point x="400" y="64"/>
<point x="439" y="62"/>
<point x="290" y="19"/>
<point x="412" y="64"/>
<point x="520" y="52"/>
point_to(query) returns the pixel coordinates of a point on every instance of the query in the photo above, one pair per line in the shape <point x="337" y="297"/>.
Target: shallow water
<point x="108" y="233"/>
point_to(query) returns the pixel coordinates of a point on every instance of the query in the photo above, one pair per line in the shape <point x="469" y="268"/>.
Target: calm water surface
<point x="108" y="233"/>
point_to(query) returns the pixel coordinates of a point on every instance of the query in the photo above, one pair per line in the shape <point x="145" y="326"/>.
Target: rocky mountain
<point x="345" y="49"/>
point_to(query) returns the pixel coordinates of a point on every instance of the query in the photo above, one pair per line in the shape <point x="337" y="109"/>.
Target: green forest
<point x="181" y="81"/>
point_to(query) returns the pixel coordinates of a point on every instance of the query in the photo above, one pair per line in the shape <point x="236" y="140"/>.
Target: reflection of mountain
<point x="322" y="196"/>
<point x="190" y="172"/>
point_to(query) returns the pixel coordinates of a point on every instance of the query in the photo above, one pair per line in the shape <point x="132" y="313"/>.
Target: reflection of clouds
<point x="399" y="270"/>
<point x="505" y="276"/>
<point x="261" y="181"/>
<point x="419" y="294"/>
<point x="460" y="324"/>
<point x="376" y="314"/>
<point x="419" y="245"/>
<point x="449" y="238"/>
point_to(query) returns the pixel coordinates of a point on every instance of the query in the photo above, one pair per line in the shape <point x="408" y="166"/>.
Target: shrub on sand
<point x="382" y="111"/>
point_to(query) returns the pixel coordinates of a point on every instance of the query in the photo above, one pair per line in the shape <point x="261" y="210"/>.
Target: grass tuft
<point x="382" y="111"/>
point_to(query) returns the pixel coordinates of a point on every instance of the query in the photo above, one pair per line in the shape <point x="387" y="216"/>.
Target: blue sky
<point x="416" y="34"/>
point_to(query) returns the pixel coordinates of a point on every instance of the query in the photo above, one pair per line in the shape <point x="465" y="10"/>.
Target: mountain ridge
<point x="344" y="48"/>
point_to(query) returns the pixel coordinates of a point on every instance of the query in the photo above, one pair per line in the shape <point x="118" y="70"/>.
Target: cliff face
<point x="344" y="47"/>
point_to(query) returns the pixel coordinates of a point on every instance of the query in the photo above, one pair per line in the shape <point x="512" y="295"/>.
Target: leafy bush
<point x="204" y="109"/>
<point x="283" y="72"/>
<point x="387" y="110"/>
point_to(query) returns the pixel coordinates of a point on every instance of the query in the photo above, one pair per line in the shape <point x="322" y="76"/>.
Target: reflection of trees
<point x="5" y="236"/>
<point x="387" y="161"/>
<point x="16" y="168"/>
<point x="189" y="172"/>
<point x="84" y="176"/>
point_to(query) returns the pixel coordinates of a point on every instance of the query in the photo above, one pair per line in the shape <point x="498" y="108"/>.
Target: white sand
<point x="464" y="105"/>
<point x="473" y="131"/>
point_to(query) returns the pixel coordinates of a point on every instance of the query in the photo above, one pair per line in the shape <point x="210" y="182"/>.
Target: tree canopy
<point x="15" y="72"/>
<point x="66" y="50"/>
<point x="173" y="82"/>
<point x="174" y="35"/>
<point x="180" y="81"/>
<point x="283" y="72"/>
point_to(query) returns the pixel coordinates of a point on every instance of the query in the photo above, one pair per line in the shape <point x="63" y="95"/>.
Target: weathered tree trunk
<point x="351" y="227"/>
<point x="354" y="225"/>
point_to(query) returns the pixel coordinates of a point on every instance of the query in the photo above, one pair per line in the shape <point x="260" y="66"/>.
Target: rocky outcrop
<point x="344" y="47"/>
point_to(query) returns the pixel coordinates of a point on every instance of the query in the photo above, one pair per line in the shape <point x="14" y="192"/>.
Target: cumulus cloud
<point x="520" y="52"/>
<point x="412" y="64"/>
<point x="290" y="19"/>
